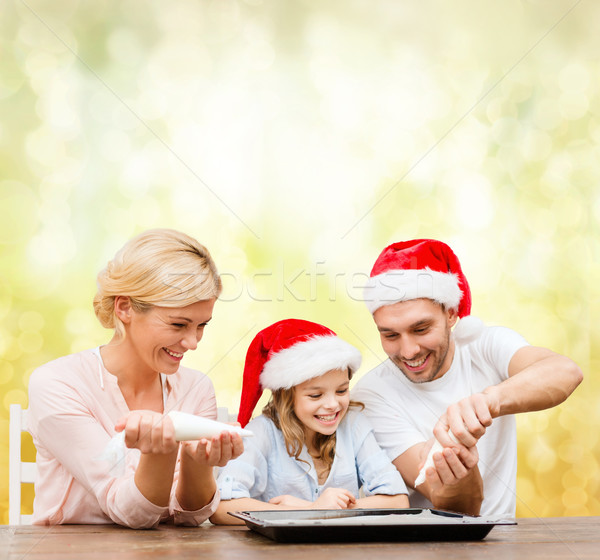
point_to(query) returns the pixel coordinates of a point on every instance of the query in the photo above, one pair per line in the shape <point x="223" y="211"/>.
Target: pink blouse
<point x="74" y="404"/>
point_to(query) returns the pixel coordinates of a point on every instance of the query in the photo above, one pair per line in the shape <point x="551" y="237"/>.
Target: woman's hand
<point x="214" y="452"/>
<point x="335" y="498"/>
<point x="148" y="431"/>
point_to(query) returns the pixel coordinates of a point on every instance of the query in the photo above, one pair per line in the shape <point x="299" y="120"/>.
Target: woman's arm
<point x="196" y="485"/>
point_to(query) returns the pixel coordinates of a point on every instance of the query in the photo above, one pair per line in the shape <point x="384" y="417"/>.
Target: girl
<point x="157" y="295"/>
<point x="311" y="448"/>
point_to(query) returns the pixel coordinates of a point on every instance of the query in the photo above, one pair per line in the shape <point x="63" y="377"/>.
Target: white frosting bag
<point x="191" y="427"/>
<point x="187" y="427"/>
<point x="435" y="448"/>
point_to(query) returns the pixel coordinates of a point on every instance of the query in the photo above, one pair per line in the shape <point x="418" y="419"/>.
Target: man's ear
<point x="452" y="315"/>
<point x="123" y="309"/>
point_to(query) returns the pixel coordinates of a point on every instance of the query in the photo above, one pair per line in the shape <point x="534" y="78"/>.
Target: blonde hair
<point x="159" y="267"/>
<point x="280" y="409"/>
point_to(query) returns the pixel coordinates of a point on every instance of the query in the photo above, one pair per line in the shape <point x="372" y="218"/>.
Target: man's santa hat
<point x="423" y="268"/>
<point x="288" y="353"/>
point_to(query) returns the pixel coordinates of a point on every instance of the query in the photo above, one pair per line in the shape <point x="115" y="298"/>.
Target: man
<point x="460" y="387"/>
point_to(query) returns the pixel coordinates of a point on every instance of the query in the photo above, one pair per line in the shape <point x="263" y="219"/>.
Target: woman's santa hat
<point x="423" y="268"/>
<point x="288" y="353"/>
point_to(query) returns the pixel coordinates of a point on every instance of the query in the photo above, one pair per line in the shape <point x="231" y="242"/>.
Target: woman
<point x="157" y="294"/>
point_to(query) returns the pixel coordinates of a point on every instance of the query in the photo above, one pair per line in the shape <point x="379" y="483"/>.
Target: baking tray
<point x="410" y="524"/>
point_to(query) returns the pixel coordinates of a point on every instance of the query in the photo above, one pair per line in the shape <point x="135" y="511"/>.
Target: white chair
<point x="19" y="472"/>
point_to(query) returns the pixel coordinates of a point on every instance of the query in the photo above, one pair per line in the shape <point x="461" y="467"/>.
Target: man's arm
<point x="454" y="484"/>
<point x="538" y="379"/>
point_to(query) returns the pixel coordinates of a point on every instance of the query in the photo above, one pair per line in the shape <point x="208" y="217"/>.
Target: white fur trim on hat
<point x="394" y="286"/>
<point x="308" y="359"/>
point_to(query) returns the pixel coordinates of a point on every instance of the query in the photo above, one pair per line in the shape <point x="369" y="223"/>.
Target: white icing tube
<point x="435" y="448"/>
<point x="191" y="427"/>
<point x="187" y="427"/>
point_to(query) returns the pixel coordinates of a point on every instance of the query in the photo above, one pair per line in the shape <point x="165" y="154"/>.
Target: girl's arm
<point x="221" y="517"/>
<point x="381" y="501"/>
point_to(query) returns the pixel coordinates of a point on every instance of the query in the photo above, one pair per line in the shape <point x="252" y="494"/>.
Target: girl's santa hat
<point x="288" y="353"/>
<point x="423" y="268"/>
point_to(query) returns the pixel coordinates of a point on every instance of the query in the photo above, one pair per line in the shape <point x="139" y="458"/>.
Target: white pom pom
<point x="468" y="329"/>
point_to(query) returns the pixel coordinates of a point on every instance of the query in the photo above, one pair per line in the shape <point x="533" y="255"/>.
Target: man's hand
<point x="467" y="419"/>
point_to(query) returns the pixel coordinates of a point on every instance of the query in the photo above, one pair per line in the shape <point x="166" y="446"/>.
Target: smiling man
<point x="459" y="384"/>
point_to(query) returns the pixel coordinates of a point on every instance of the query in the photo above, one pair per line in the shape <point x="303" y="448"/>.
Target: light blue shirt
<point x="266" y="470"/>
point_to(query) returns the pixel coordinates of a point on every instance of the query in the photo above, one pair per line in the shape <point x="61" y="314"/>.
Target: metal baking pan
<point x="411" y="524"/>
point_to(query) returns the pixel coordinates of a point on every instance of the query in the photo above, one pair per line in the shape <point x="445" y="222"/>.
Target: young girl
<point x="312" y="448"/>
<point x="157" y="296"/>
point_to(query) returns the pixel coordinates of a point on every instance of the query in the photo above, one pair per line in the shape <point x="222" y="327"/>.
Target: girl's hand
<point x="214" y="452"/>
<point x="148" y="431"/>
<point x="335" y="498"/>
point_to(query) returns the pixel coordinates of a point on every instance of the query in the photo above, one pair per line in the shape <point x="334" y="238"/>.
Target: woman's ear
<point x="123" y="309"/>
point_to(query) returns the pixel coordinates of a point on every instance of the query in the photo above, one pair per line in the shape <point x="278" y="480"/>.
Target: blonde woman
<point x="157" y="295"/>
<point x="313" y="448"/>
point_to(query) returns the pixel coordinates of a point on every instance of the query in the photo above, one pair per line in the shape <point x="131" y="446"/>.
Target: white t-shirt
<point x="404" y="413"/>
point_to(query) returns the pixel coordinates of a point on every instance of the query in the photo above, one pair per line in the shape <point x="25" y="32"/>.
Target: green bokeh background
<point x="296" y="139"/>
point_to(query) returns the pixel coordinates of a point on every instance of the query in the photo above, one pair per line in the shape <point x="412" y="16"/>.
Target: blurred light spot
<point x="473" y="205"/>
<point x="573" y="105"/>
<point x="151" y="105"/>
<point x="270" y="104"/>
<point x="574" y="77"/>
<point x="115" y="145"/>
<point x="259" y="55"/>
<point x="570" y="452"/>
<point x="147" y="211"/>
<point x="546" y="114"/>
<point x="135" y="179"/>
<point x="31" y="342"/>
<point x="537" y="146"/>
<point x="540" y="456"/>
<point x="555" y="180"/>
<point x="506" y="130"/>
<point x="15" y="396"/>
<point x="52" y="246"/>
<point x="31" y="321"/>
<point x="6" y="371"/>
<point x="45" y="147"/>
<point x="79" y="321"/>
<point x="5" y="299"/>
<point x="574" y="497"/>
<point x="568" y="212"/>
<point x="572" y="479"/>
<point x="124" y="47"/>
<point x="587" y="467"/>
<point x="428" y="210"/>
<point x="117" y="222"/>
<point x="19" y="212"/>
<point x="568" y="308"/>
<point x="542" y="222"/>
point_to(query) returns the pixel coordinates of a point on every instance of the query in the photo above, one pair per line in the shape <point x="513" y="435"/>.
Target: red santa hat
<point x="423" y="268"/>
<point x="288" y="353"/>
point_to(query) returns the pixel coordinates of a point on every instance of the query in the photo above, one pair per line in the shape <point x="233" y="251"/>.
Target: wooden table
<point x="532" y="539"/>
